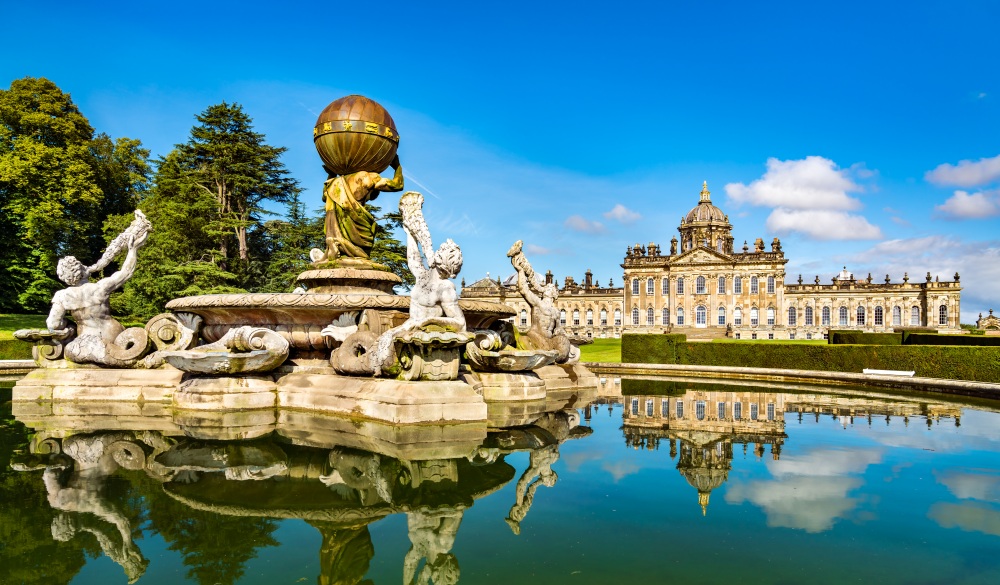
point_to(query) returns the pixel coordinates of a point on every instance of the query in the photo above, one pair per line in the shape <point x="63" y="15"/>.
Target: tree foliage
<point x="58" y="181"/>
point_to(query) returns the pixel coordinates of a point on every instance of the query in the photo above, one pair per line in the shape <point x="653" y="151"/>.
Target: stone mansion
<point x="705" y="288"/>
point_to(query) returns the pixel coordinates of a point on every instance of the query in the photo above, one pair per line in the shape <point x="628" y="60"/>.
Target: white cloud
<point x="966" y="173"/>
<point x="822" y="224"/>
<point x="538" y="250"/>
<point x="811" y="197"/>
<point x="811" y="183"/>
<point x="963" y="205"/>
<point x="622" y="214"/>
<point x="581" y="224"/>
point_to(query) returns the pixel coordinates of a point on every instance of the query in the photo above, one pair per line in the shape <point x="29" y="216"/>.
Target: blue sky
<point x="860" y="133"/>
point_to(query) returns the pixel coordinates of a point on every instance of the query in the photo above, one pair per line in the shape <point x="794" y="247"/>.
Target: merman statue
<point x="545" y="331"/>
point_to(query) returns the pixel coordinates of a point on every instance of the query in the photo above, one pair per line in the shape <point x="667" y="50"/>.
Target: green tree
<point x="58" y="182"/>
<point x="387" y="249"/>
<point x="290" y="241"/>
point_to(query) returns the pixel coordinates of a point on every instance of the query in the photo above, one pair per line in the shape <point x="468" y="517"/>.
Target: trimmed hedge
<point x="631" y="387"/>
<point x="15" y="349"/>
<point x="861" y="338"/>
<point x="981" y="364"/>
<point x="966" y="340"/>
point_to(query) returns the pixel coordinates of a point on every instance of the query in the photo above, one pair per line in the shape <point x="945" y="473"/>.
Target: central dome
<point x="705" y="211"/>
<point x="355" y="134"/>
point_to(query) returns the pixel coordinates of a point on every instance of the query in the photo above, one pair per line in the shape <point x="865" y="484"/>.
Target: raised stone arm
<point x="112" y="283"/>
<point x="414" y="259"/>
<point x="393" y="184"/>
<point x="525" y="275"/>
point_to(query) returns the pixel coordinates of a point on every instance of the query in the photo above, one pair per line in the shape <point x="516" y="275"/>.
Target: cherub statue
<point x="97" y="331"/>
<point x="433" y="299"/>
<point x="545" y="332"/>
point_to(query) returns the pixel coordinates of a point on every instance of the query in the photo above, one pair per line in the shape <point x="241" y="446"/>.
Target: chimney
<point x="548" y="277"/>
<point x="588" y="279"/>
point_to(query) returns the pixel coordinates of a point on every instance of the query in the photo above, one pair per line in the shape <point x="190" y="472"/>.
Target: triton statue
<point x="545" y="332"/>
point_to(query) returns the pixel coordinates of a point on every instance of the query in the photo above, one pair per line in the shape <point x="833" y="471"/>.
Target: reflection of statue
<point x="432" y="534"/>
<point x="79" y="492"/>
<point x="545" y="332"/>
<point x="87" y="302"/>
<point x="345" y="554"/>
<point x="433" y="300"/>
<point x="349" y="226"/>
<point x="539" y="471"/>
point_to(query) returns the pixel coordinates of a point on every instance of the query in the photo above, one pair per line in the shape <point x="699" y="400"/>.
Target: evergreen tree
<point x="289" y="243"/>
<point x="58" y="182"/>
<point x="387" y="249"/>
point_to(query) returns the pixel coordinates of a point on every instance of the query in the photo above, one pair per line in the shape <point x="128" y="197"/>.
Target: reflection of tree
<point x="27" y="552"/>
<point x="215" y="547"/>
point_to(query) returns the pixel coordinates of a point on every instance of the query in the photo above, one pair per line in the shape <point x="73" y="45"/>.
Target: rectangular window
<point x="753" y="285"/>
<point x="738" y="286"/>
<point x="737" y="336"/>
<point x="809" y="335"/>
<point x="665" y="407"/>
<point x="753" y="336"/>
<point x="649" y="407"/>
<point x="665" y="316"/>
<point x="753" y="411"/>
<point x="770" y="411"/>
<point x="722" y="411"/>
<point x="635" y="406"/>
<point x="680" y="286"/>
<point x="770" y="335"/>
<point x="770" y="285"/>
<point x="665" y="286"/>
<point x="791" y="335"/>
<point x="635" y="286"/>
<point x="680" y="409"/>
<point x="737" y="410"/>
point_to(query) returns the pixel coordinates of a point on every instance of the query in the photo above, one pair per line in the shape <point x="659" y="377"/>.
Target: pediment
<point x="701" y="256"/>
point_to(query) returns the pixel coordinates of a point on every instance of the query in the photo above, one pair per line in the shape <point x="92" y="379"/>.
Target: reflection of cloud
<point x="966" y="516"/>
<point x="619" y="469"/>
<point x="809" y="492"/>
<point x="979" y="484"/>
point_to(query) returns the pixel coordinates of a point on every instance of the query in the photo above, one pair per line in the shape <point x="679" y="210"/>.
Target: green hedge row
<point x="980" y="364"/>
<point x="862" y="338"/>
<point x="966" y="340"/>
<point x="14" y="349"/>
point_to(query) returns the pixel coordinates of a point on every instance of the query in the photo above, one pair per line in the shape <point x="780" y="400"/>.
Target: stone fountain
<point x="347" y="345"/>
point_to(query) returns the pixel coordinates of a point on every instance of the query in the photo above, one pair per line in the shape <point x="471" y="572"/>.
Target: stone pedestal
<point x="226" y="426"/>
<point x="392" y="401"/>
<point x="514" y="414"/>
<point x="364" y="278"/>
<point x="85" y="383"/>
<point x="511" y="386"/>
<point x="222" y="393"/>
<point x="566" y="377"/>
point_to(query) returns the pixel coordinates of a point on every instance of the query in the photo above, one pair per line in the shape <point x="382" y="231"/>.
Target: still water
<point x="651" y="482"/>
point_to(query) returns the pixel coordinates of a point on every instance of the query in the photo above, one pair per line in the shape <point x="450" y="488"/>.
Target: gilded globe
<point x="355" y="134"/>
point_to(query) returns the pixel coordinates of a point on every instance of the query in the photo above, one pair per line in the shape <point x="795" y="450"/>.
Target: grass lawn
<point x="602" y="350"/>
<point x="10" y="323"/>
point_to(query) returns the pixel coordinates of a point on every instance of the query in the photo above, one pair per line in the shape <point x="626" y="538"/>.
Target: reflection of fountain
<point x="347" y="345"/>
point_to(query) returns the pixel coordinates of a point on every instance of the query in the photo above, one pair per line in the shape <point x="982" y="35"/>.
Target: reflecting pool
<point x="650" y="481"/>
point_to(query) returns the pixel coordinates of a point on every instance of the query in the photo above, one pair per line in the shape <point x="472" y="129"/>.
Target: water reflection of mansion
<point x="704" y="428"/>
<point x="706" y="287"/>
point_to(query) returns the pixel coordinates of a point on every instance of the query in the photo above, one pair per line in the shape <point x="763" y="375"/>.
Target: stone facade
<point x="705" y="288"/>
<point x="586" y="309"/>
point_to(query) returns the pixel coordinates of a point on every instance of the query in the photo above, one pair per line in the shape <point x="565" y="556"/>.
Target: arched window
<point x="770" y="285"/>
<point x="700" y="315"/>
<point x="843" y="316"/>
<point x="915" y="316"/>
<point x="680" y="316"/>
<point x="649" y="286"/>
<point x="897" y="316"/>
<point x="576" y="316"/>
<point x="618" y="317"/>
<point x="635" y="316"/>
<point x="604" y="317"/>
<point x="792" y="314"/>
<point x="665" y="286"/>
<point x="738" y="316"/>
<point x="722" y="315"/>
<point x="738" y="285"/>
<point x="562" y="317"/>
<point x="699" y="285"/>
<point x="524" y="317"/>
<point x="809" y="315"/>
<point x="665" y="316"/>
<point x="943" y="315"/>
<point x="861" y="316"/>
<point x="635" y="286"/>
<point x="770" y="315"/>
<point x="719" y="246"/>
<point x="680" y="286"/>
<point x="878" y="316"/>
<point x="754" y="289"/>
<point x="722" y="285"/>
<point x="754" y="317"/>
<point x="590" y="316"/>
<point x="825" y="316"/>
<point x="649" y="316"/>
